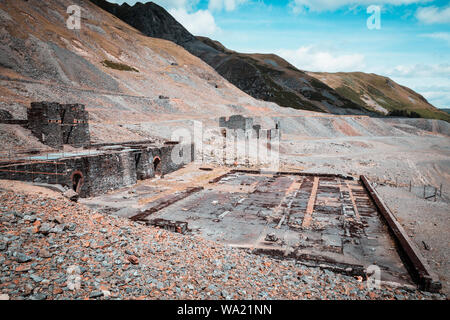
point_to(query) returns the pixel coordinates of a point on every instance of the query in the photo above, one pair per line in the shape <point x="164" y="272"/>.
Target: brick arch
<point x="77" y="179"/>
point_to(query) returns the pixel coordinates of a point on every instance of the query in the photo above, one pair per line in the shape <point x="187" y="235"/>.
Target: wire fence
<point x="424" y="191"/>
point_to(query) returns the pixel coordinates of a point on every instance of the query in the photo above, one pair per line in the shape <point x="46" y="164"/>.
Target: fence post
<point x="440" y="190"/>
<point x="409" y="185"/>
<point x="424" y="191"/>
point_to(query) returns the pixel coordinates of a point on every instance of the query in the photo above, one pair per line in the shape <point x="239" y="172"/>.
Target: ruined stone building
<point x="98" y="168"/>
<point x="239" y="122"/>
<point x="57" y="124"/>
<point x="248" y="140"/>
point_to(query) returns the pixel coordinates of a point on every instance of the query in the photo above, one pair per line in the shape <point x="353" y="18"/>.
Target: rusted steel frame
<point x="290" y="192"/>
<point x="121" y="143"/>
<point x="352" y="198"/>
<point x="293" y="173"/>
<point x="29" y="162"/>
<point x="14" y="121"/>
<point x="418" y="267"/>
<point x="33" y="172"/>
<point x="164" y="204"/>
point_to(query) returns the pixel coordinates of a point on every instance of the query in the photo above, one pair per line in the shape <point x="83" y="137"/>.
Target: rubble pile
<point x="58" y="249"/>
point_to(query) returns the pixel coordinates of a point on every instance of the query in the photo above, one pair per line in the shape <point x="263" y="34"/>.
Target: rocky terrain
<point x="137" y="87"/>
<point x="425" y="221"/>
<point x="269" y="77"/>
<point x="265" y="77"/>
<point x="56" y="249"/>
<point x="41" y="59"/>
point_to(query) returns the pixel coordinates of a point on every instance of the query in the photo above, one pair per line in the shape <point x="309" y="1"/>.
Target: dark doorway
<point x="137" y="158"/>
<point x="157" y="166"/>
<point x="77" y="181"/>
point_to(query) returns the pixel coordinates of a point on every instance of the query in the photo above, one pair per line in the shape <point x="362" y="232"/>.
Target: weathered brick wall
<point x="102" y="172"/>
<point x="144" y="163"/>
<point x="56" y="124"/>
<point x="75" y="125"/>
<point x="44" y="121"/>
<point x="43" y="172"/>
<point x="108" y="172"/>
<point x="236" y="122"/>
<point x="145" y="167"/>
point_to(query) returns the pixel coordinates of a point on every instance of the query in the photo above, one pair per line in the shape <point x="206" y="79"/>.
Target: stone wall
<point x="44" y="121"/>
<point x="75" y="125"/>
<point x="236" y="122"/>
<point x="145" y="159"/>
<point x="57" y="124"/>
<point x="103" y="172"/>
<point x="99" y="173"/>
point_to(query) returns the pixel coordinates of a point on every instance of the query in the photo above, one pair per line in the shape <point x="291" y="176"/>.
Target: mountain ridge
<point x="381" y="94"/>
<point x="41" y="59"/>
<point x="288" y="87"/>
<point x="269" y="77"/>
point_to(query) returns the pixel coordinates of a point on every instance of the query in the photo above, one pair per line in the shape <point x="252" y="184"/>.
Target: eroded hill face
<point x="269" y="77"/>
<point x="380" y="94"/>
<point x="121" y="75"/>
<point x="265" y="77"/>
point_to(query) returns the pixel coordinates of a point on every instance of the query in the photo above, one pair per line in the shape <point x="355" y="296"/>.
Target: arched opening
<point x="77" y="181"/>
<point x="157" y="166"/>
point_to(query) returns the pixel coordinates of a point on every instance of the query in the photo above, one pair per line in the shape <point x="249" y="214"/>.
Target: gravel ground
<point x="427" y="223"/>
<point x="119" y="259"/>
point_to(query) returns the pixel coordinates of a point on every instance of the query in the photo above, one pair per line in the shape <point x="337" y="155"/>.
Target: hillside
<point x="123" y="77"/>
<point x="135" y="87"/>
<point x="380" y="94"/>
<point x="265" y="77"/>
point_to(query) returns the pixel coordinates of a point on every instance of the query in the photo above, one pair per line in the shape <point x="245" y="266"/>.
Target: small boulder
<point x="71" y="195"/>
<point x="45" y="228"/>
<point x="22" y="258"/>
<point x="58" y="219"/>
<point x="271" y="237"/>
<point x="95" y="294"/>
<point x="133" y="259"/>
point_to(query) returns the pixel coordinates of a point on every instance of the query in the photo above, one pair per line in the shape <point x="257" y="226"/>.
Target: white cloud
<point x="421" y="71"/>
<point x="445" y="36"/>
<point x="199" y="23"/>
<point x="312" y="59"/>
<point x="330" y="5"/>
<point x="228" y="5"/>
<point x="430" y="80"/>
<point x="439" y="99"/>
<point x="430" y="15"/>
<point x="167" y="4"/>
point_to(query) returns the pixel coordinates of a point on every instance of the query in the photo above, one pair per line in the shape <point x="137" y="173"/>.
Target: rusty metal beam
<point x="284" y="206"/>
<point x="418" y="267"/>
<point x="165" y="202"/>
<point x="352" y="198"/>
<point x="312" y="200"/>
<point x="33" y="172"/>
<point x="293" y="173"/>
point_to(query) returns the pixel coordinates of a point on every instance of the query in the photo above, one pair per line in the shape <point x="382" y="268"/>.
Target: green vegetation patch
<point x="404" y="113"/>
<point x="350" y="94"/>
<point x="118" y="66"/>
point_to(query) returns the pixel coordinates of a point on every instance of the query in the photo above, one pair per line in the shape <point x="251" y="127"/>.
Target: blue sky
<point x="412" y="45"/>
